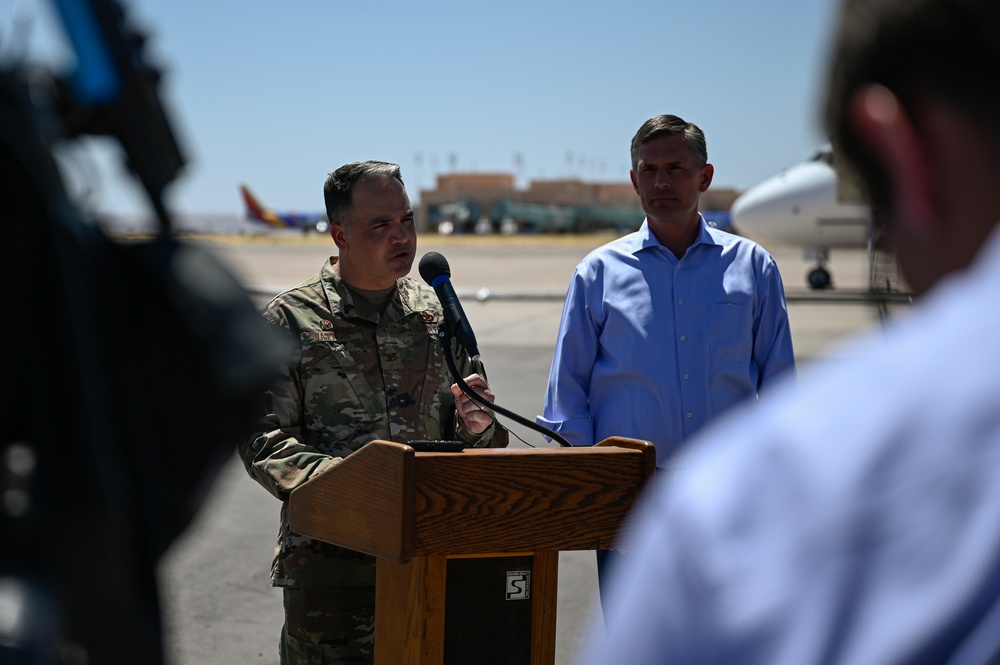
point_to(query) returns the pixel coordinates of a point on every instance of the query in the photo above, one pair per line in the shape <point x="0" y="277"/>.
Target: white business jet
<point x="800" y="207"/>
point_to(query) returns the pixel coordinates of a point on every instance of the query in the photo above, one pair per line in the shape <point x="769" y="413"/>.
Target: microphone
<point x="435" y="271"/>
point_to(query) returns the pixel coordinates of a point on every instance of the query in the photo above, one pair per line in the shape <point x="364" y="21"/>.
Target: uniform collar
<point x="404" y="301"/>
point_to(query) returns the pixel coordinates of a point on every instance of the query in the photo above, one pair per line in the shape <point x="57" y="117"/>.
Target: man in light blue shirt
<point x="665" y="329"/>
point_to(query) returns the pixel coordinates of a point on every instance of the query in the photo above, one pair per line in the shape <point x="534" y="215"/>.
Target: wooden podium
<point x="468" y="543"/>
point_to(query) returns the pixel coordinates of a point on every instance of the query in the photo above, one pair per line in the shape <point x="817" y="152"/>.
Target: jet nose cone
<point x="752" y="206"/>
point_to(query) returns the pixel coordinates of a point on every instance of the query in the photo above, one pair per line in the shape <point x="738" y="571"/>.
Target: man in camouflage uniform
<point x="368" y="366"/>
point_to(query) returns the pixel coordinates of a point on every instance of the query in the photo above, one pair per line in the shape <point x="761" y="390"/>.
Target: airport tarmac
<point x="218" y="605"/>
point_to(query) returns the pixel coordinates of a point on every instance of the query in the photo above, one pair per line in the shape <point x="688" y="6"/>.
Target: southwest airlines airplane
<point x="256" y="212"/>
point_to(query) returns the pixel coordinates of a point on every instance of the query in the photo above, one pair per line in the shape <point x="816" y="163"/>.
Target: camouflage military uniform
<point x="353" y="380"/>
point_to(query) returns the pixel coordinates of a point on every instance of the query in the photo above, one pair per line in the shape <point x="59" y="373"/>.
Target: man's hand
<point x="476" y="417"/>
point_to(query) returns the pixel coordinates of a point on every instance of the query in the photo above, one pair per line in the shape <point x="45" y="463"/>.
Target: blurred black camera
<point x="131" y="369"/>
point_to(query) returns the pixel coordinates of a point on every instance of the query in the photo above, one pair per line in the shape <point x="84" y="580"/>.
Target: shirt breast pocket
<point x="731" y="332"/>
<point x="332" y="408"/>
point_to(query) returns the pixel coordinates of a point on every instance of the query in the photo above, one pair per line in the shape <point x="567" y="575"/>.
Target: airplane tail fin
<point x="256" y="211"/>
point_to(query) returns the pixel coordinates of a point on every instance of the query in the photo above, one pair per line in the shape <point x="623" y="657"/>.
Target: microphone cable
<point x="449" y="357"/>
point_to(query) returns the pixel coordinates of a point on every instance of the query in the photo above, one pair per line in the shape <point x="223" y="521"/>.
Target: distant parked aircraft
<point x="255" y="212"/>
<point x="800" y="207"/>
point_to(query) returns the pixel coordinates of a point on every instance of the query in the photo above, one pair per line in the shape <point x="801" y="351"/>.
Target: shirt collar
<point x="644" y="238"/>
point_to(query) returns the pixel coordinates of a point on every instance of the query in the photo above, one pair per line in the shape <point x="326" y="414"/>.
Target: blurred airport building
<point x="492" y="203"/>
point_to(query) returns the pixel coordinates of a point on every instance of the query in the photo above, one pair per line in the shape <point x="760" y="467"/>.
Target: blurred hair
<point x="338" y="190"/>
<point x="670" y="125"/>
<point x="918" y="49"/>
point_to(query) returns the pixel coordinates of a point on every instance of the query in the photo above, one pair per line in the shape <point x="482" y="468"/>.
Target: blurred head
<point x="371" y="222"/>
<point x="909" y="111"/>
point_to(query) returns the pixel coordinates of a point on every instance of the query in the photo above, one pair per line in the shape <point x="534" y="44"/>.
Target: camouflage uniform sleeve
<point x="274" y="454"/>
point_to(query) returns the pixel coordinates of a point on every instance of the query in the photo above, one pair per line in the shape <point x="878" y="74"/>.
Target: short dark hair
<point x="918" y="49"/>
<point x="339" y="186"/>
<point x="670" y="125"/>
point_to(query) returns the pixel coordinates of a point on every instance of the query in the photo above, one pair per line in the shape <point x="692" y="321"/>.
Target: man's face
<point x="669" y="180"/>
<point x="379" y="240"/>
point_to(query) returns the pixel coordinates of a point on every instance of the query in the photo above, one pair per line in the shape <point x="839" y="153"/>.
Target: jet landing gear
<point x="819" y="278"/>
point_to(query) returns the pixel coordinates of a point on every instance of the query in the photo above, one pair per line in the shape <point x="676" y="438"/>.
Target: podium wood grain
<point x="391" y="502"/>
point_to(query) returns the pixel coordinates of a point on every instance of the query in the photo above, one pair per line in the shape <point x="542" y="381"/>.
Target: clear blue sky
<point x="277" y="94"/>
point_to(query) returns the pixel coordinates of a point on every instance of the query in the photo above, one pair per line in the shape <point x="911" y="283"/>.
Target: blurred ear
<point x="883" y="123"/>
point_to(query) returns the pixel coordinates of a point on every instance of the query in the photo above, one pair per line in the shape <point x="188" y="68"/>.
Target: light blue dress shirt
<point x="652" y="347"/>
